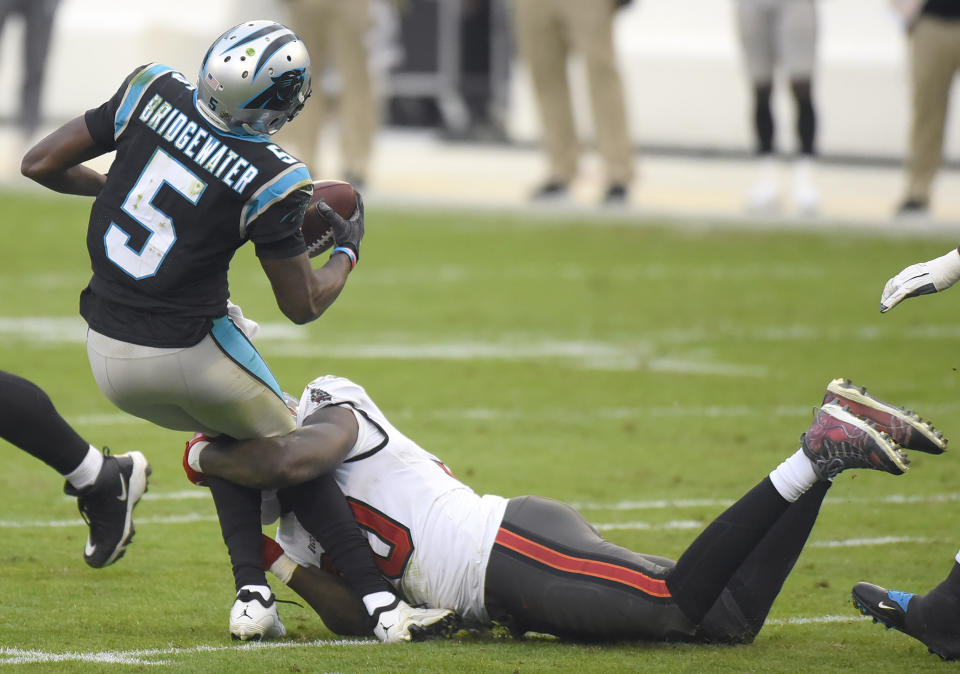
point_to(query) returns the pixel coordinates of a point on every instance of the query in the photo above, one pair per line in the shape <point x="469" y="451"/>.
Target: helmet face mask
<point x="254" y="78"/>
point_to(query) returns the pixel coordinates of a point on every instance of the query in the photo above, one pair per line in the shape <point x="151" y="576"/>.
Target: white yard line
<point x="168" y="519"/>
<point x="151" y="656"/>
<point x="817" y="620"/>
<point x="156" y="656"/>
<point x="892" y="499"/>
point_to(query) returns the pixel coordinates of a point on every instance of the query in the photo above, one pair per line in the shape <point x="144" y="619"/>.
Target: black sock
<point x="322" y="509"/>
<point x="806" y="116"/>
<point x="30" y="421"/>
<point x="239" y="511"/>
<point x="938" y="611"/>
<point x="705" y="568"/>
<point x="760" y="578"/>
<point x="947" y="591"/>
<point x="763" y="118"/>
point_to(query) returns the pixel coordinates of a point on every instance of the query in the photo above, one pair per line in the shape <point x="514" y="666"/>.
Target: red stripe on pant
<point x="587" y="567"/>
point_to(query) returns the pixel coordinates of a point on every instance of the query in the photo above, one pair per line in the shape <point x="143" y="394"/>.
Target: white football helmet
<point x="254" y="78"/>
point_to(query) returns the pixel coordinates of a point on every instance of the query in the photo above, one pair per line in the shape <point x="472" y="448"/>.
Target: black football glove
<point x="346" y="233"/>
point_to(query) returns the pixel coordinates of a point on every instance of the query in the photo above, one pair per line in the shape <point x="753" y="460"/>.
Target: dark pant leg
<point x="763" y="125"/>
<point x="550" y="571"/>
<point x="38" y="16"/>
<point x="806" y="115"/>
<point x="29" y="420"/>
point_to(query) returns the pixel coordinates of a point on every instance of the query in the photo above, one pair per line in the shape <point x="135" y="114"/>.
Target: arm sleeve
<point x="101" y="120"/>
<point x="276" y="232"/>
<point x="289" y="246"/>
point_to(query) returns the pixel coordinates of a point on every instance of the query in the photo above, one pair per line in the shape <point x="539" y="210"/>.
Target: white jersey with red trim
<point x="430" y="533"/>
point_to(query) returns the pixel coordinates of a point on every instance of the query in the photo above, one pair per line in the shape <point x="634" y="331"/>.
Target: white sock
<point x="263" y="590"/>
<point x="376" y="600"/>
<point x="86" y="473"/>
<point x="193" y="457"/>
<point x="794" y="476"/>
<point x="283" y="568"/>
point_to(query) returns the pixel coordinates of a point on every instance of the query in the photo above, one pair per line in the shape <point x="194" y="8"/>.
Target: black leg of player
<point x="763" y="118"/>
<point x="806" y="115"/>
<point x="758" y="581"/>
<point x="705" y="568"/>
<point x="238" y="509"/>
<point x="322" y="509"/>
<point x="30" y="421"/>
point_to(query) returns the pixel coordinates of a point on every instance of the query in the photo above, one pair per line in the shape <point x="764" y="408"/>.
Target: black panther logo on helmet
<point x="281" y="93"/>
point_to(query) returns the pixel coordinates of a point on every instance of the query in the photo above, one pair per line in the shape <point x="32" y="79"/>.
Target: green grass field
<point x="648" y="372"/>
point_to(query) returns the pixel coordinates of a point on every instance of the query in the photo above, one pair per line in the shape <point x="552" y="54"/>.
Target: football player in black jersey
<point x="196" y="176"/>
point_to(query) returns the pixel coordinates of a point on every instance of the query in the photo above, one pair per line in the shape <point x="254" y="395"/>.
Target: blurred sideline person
<point x="781" y="35"/>
<point x="535" y="564"/>
<point x="335" y="33"/>
<point x="549" y="33"/>
<point x="196" y="176"/>
<point x="38" y="19"/>
<point x="934" y="34"/>
<point x="107" y="487"/>
<point x="933" y="618"/>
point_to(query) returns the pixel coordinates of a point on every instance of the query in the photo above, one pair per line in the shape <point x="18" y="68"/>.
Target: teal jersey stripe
<point x="134" y="91"/>
<point x="292" y="179"/>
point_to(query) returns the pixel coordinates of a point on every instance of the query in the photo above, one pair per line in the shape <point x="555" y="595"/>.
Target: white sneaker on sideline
<point x="806" y="197"/>
<point x="254" y="615"/>
<point x="764" y="195"/>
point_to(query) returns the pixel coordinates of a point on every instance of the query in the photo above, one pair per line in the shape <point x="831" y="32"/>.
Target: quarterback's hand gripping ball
<point x="334" y="205"/>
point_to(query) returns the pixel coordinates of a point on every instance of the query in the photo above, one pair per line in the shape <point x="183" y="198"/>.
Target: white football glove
<point x="922" y="278"/>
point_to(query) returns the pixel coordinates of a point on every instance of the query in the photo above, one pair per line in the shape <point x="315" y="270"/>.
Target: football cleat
<point x="254" y="615"/>
<point x="107" y="506"/>
<point x="401" y="622"/>
<point x="838" y="440"/>
<point x="194" y="445"/>
<point x="906" y="428"/>
<point x="890" y="608"/>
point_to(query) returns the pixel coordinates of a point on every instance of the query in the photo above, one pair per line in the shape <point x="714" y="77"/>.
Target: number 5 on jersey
<point x="161" y="169"/>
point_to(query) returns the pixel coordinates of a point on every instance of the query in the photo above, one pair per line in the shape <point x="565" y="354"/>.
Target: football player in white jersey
<point x="535" y="564"/>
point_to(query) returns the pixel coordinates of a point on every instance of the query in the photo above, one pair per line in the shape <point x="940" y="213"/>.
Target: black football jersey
<point x="181" y="196"/>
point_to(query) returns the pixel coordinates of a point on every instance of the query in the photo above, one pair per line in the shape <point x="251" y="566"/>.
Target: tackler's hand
<point x="922" y="278"/>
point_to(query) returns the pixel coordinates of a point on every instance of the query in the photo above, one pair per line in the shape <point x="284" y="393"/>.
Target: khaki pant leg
<point x="544" y="45"/>
<point x="358" y="114"/>
<point x="935" y="55"/>
<point x="301" y="136"/>
<point x="590" y="23"/>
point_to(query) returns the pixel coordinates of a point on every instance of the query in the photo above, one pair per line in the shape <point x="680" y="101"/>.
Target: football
<point x="342" y="198"/>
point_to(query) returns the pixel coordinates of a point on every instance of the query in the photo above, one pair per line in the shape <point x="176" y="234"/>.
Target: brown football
<point x="342" y="198"/>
